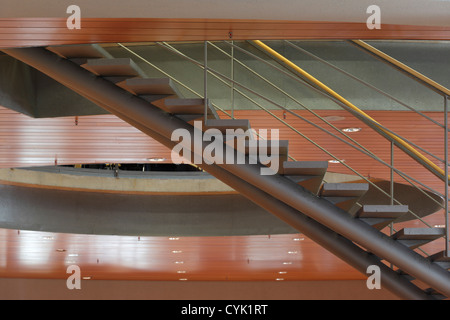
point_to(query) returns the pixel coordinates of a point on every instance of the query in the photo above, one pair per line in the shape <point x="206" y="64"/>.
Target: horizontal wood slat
<point x="16" y="32"/>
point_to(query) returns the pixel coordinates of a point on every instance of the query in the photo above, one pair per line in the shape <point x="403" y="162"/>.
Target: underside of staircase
<point x="328" y="213"/>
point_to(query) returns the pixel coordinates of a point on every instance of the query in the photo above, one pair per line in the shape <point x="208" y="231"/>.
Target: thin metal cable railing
<point x="365" y="83"/>
<point x="364" y="150"/>
<point x="403" y="175"/>
<point x="219" y="76"/>
<point x="171" y="77"/>
<point x="216" y="74"/>
<point x="307" y="77"/>
<point x="292" y="76"/>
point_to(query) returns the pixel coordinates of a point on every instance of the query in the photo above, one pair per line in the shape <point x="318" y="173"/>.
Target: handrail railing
<point x="221" y="78"/>
<point x="416" y="155"/>
<point x="367" y="152"/>
<point x="358" y="146"/>
<point x="365" y="83"/>
<point x="321" y="92"/>
<point x="233" y="84"/>
<point x="433" y="84"/>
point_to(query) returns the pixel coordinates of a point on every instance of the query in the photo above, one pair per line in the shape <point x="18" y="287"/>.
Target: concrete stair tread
<point x="181" y="106"/>
<point x="419" y="234"/>
<point x="152" y="86"/>
<point x="380" y="216"/>
<point x="416" y="237"/>
<point x="281" y="146"/>
<point x="310" y="168"/>
<point x="114" y="67"/>
<point x="224" y="124"/>
<point x="441" y="259"/>
<point x="344" y="189"/>
<point x="80" y="51"/>
<point x="382" y="211"/>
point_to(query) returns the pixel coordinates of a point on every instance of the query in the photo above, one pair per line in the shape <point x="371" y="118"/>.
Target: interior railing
<point x="244" y="90"/>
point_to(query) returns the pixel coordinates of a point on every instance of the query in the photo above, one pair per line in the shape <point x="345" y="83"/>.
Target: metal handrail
<point x="417" y="75"/>
<point x="219" y="76"/>
<point x="365" y="83"/>
<point x="433" y="168"/>
<point x="367" y="152"/>
<point x="170" y="76"/>
<point x="339" y="103"/>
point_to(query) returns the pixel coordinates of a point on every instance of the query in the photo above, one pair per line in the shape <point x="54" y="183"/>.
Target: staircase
<point x="296" y="191"/>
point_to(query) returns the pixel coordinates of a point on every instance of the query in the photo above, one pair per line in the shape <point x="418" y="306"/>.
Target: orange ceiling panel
<point x="23" y="32"/>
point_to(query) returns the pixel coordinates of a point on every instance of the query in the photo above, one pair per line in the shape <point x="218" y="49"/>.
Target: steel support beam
<point x="328" y="239"/>
<point x="279" y="187"/>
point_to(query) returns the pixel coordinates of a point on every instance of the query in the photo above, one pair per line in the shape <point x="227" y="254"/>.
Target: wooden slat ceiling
<point x="18" y="32"/>
<point x="28" y="142"/>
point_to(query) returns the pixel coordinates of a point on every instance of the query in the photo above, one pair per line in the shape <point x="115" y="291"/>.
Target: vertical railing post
<point x="447" y="238"/>
<point x="205" y="80"/>
<point x="392" y="173"/>
<point x="232" y="78"/>
<point x="392" y="187"/>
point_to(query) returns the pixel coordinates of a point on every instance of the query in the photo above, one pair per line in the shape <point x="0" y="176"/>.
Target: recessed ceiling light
<point x="156" y="159"/>
<point x="282" y="272"/>
<point x="48" y="238"/>
<point x="174" y="238"/>
<point x="279" y="279"/>
<point x="181" y="271"/>
<point x="335" y="161"/>
<point x="177" y="251"/>
<point x="183" y="279"/>
<point x="73" y="255"/>
<point x="292" y="252"/>
<point x="179" y="262"/>
<point x="287" y="262"/>
<point x="351" y="129"/>
<point x="298" y="239"/>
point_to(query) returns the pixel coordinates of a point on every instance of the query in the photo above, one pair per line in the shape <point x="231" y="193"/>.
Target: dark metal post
<point x="232" y="78"/>
<point x="447" y="238"/>
<point x="205" y="79"/>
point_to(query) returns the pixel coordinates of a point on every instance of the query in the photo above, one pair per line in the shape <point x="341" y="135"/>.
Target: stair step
<point x="187" y="109"/>
<point x="274" y="151"/>
<point x="80" y="51"/>
<point x="344" y="195"/>
<point x="416" y="237"/>
<point x="117" y="67"/>
<point x="152" y="86"/>
<point x="308" y="174"/>
<point x="437" y="295"/>
<point x="281" y="147"/>
<point x="380" y="216"/>
<point x="440" y="259"/>
<point x="305" y="168"/>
